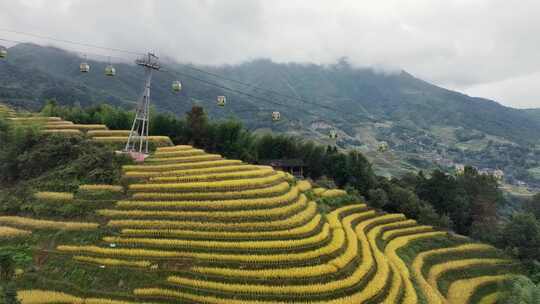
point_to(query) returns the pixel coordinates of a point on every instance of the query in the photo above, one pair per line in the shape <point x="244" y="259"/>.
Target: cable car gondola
<point x="221" y="101"/>
<point x="84" y="66"/>
<point x="110" y="70"/>
<point x="333" y="134"/>
<point x="276" y="116"/>
<point x="3" y="52"/>
<point x="176" y="86"/>
<point x="383" y="147"/>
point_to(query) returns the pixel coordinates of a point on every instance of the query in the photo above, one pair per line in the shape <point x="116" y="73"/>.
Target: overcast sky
<point x="488" y="48"/>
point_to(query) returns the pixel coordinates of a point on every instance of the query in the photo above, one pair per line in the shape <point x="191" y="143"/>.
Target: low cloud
<point x="485" y="47"/>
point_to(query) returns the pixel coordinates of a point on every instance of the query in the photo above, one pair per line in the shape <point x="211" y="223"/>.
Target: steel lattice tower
<point x="138" y="137"/>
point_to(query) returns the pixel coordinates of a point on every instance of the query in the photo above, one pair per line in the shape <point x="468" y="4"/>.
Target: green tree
<point x="7" y="267"/>
<point x="521" y="235"/>
<point x="522" y="291"/>
<point x="10" y="294"/>
<point x="533" y="206"/>
<point x="378" y="198"/>
<point x="197" y="126"/>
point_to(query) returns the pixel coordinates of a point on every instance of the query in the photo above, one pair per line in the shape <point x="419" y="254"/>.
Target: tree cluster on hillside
<point x="8" y="293"/>
<point x="33" y="161"/>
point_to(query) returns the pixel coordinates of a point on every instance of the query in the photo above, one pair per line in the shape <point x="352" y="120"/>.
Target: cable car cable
<point x="73" y="42"/>
<point x="230" y="89"/>
<point x="186" y="75"/>
<point x="80" y="53"/>
<point x="243" y="93"/>
<point x="262" y="89"/>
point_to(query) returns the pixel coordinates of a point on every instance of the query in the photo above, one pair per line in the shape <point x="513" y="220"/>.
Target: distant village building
<point x="497" y="173"/>
<point x="383" y="146"/>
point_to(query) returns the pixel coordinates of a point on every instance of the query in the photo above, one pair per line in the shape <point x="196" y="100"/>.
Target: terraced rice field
<point x="247" y="234"/>
<point x="97" y="132"/>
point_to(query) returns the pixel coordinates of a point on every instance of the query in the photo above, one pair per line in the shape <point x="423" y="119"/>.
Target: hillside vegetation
<point x="187" y="226"/>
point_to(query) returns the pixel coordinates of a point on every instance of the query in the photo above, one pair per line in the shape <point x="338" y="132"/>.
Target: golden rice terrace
<point x="193" y="227"/>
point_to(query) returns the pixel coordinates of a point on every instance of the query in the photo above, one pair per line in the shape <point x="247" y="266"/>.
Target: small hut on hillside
<point x="294" y="166"/>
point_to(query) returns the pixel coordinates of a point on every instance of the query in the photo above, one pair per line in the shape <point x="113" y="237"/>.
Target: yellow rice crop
<point x="396" y="232"/>
<point x="310" y="226"/>
<point x="60" y="125"/>
<point x="158" y="140"/>
<point x="437" y="270"/>
<point x="319" y="191"/>
<point x="46" y="297"/>
<point x="390" y="251"/>
<point x="266" y="202"/>
<point x="101" y="187"/>
<point x="184" y="159"/>
<point x="348" y="281"/>
<point x="172" y="243"/>
<point x="294" y="220"/>
<point x="337" y="242"/>
<point x="261" y="172"/>
<point x="45" y="224"/>
<point x="461" y="291"/>
<point x="431" y="291"/>
<point x="9" y="232"/>
<point x="175" y="167"/>
<point x="215" y="170"/>
<point x="492" y="298"/>
<point x="331" y="267"/>
<point x="36" y="118"/>
<point x="107" y="133"/>
<point x="239" y="184"/>
<point x="76" y="126"/>
<point x="63" y="131"/>
<point x="54" y="196"/>
<point x="333" y="217"/>
<point x="35" y="296"/>
<point x="289" y="177"/>
<point x="261" y="192"/>
<point x="374" y="256"/>
<point x="173" y="148"/>
<point x="179" y="153"/>
<point x="246" y="213"/>
<point x="178" y="294"/>
<point x="112" y="262"/>
<point x="303" y="185"/>
<point x="59" y="122"/>
<point x="395" y="286"/>
<point x="354" y="278"/>
<point x="334" y="193"/>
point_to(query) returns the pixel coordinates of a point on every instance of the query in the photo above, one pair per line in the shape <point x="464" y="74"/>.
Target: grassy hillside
<point x="187" y="226"/>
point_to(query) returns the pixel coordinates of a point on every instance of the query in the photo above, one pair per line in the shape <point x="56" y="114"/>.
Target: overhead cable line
<point x="232" y="89"/>
<point x="262" y="89"/>
<point x="255" y="87"/>
<point x="82" y="53"/>
<point x="73" y="42"/>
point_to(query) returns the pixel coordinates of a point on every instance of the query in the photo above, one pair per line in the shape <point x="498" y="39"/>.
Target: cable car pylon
<point x="137" y="143"/>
